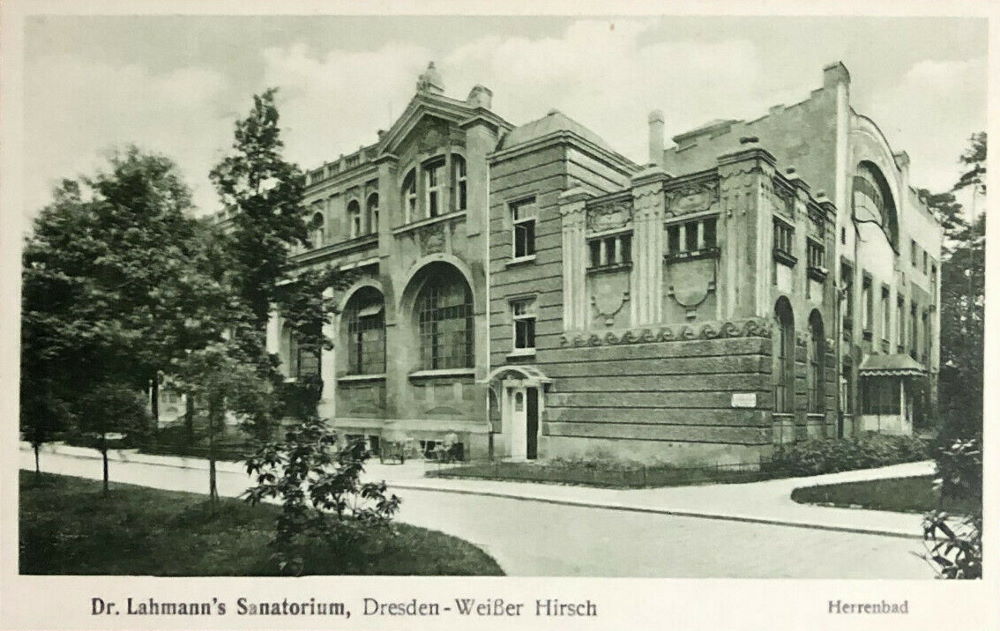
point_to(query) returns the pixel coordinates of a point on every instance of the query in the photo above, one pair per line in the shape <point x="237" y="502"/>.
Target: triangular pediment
<point x="426" y="120"/>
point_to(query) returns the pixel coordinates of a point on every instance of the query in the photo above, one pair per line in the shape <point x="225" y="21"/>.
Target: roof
<point x="711" y="126"/>
<point x="895" y="365"/>
<point x="554" y="121"/>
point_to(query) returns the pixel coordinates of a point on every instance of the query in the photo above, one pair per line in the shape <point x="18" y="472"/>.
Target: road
<point x="532" y="538"/>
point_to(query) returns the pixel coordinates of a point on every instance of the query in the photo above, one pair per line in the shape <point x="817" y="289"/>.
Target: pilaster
<point x="572" y="209"/>
<point x="647" y="271"/>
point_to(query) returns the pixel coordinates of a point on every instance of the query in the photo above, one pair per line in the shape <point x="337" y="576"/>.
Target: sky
<point x="176" y="84"/>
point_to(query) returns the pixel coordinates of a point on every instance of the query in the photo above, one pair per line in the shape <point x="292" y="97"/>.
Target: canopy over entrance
<point x="531" y="375"/>
<point x="895" y="365"/>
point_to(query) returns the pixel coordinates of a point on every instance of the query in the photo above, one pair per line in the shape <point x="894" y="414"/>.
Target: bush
<point x="814" y="457"/>
<point x="955" y="547"/>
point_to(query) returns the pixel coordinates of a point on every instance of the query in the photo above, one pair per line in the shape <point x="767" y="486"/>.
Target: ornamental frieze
<point x="677" y="333"/>
<point x="609" y="215"/>
<point x="692" y="198"/>
<point x="431" y="238"/>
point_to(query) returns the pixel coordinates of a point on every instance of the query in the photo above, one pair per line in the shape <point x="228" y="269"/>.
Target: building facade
<point x="538" y="294"/>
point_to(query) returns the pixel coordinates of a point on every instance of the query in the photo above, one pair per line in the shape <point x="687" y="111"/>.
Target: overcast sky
<point x="175" y="85"/>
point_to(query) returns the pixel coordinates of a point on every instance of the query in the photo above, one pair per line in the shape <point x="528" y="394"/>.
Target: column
<point x="572" y="208"/>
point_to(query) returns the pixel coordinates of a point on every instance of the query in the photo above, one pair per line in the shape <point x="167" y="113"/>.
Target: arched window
<point x="817" y="364"/>
<point x="409" y="191"/>
<point x="459" y="185"/>
<point x="365" y="316"/>
<point x="317" y="230"/>
<point x="783" y="367"/>
<point x="371" y="211"/>
<point x="445" y="321"/>
<point x="873" y="201"/>
<point x="354" y="218"/>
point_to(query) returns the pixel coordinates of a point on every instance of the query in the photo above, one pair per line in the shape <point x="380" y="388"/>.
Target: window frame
<point x="523" y="225"/>
<point x="358" y="353"/>
<point x="459" y="182"/>
<point x="354" y="221"/>
<point x="430" y="314"/>
<point x="528" y="319"/>
<point x="433" y="171"/>
<point x="612" y="250"/>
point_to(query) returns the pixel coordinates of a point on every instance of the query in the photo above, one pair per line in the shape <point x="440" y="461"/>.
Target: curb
<point x="556" y="501"/>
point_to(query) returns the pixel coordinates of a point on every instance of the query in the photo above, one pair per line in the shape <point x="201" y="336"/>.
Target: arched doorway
<point x="520" y="393"/>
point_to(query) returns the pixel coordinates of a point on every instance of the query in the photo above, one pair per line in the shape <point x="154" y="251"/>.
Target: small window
<point x="354" y="217"/>
<point x="372" y="212"/>
<point x="410" y="195"/>
<point x="913" y="253"/>
<point x="816" y="254"/>
<point x="886" y="314"/>
<point x="866" y="302"/>
<point x="843" y="235"/>
<point x="317" y="231"/>
<point x="674" y="239"/>
<point x="925" y="263"/>
<point x="900" y="324"/>
<point x="610" y="251"/>
<point x="459" y="183"/>
<point x="709" y="235"/>
<point x="783" y="234"/>
<point x="523" y="313"/>
<point x="691" y="236"/>
<point x="432" y="181"/>
<point x="523" y="216"/>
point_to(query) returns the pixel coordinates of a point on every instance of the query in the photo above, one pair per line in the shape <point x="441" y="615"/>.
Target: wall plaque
<point x="744" y="400"/>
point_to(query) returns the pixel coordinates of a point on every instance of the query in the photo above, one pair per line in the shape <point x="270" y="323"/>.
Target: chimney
<point x="480" y="96"/>
<point x="656" y="137"/>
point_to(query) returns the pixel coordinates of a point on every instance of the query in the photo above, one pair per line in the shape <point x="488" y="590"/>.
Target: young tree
<point x="262" y="193"/>
<point x="111" y="408"/>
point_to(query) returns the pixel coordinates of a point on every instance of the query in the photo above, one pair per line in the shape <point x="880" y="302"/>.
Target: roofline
<point x="616" y="159"/>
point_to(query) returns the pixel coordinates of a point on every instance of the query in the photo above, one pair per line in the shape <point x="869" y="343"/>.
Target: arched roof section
<point x="419" y="272"/>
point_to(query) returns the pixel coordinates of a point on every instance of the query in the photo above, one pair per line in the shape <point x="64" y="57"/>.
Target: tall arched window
<point x="445" y="321"/>
<point x="409" y="191"/>
<point x="817" y="364"/>
<point x="354" y="218"/>
<point x="783" y="367"/>
<point x="365" y="316"/>
<point x="873" y="201"/>
<point x="459" y="184"/>
<point x="371" y="212"/>
<point x="317" y="230"/>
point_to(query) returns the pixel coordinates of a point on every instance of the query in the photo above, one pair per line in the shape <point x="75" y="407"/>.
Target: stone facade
<point x="541" y="295"/>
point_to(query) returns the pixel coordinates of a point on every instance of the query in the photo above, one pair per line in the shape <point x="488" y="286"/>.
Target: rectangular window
<point x="866" y="303"/>
<point x="673" y="239"/>
<point x="523" y="313"/>
<point x="886" y="318"/>
<point x="816" y="254"/>
<point x="900" y="325"/>
<point x="925" y="263"/>
<point x="913" y="253"/>
<point x="880" y="396"/>
<point x="914" y="331"/>
<point x="610" y="251"/>
<point x="847" y="285"/>
<point x="708" y="226"/>
<point x="783" y="237"/>
<point x="432" y="180"/>
<point x="691" y="236"/>
<point x="523" y="217"/>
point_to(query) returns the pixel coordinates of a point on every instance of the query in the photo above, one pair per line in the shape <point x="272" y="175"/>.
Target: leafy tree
<point x="974" y="159"/>
<point x="111" y="408"/>
<point x="322" y="496"/>
<point x="262" y="193"/>
<point x="101" y="269"/>
<point x="43" y="415"/>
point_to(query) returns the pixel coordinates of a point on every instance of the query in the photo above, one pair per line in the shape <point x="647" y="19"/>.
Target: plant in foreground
<point x="323" y="500"/>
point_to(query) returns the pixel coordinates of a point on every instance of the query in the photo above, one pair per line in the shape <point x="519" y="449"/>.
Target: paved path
<point x="534" y="529"/>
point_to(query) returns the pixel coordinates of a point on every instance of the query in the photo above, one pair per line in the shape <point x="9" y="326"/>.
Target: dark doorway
<point x="532" y="423"/>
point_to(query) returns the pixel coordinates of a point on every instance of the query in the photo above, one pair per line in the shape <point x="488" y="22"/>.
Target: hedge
<point x="816" y="456"/>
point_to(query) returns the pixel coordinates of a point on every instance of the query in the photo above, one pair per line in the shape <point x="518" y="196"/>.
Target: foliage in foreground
<point x="955" y="547"/>
<point x="323" y="501"/>
<point x="830" y="455"/>
<point x="68" y="527"/>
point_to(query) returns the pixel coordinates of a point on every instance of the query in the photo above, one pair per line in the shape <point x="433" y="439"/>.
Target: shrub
<point x="955" y="547"/>
<point x="323" y="500"/>
<point x="817" y="456"/>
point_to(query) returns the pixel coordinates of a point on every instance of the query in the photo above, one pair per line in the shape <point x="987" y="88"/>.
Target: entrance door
<point x="518" y="415"/>
<point x="532" y="423"/>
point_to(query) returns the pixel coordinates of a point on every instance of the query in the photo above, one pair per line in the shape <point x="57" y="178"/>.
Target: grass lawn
<point x="599" y="474"/>
<point x="909" y="495"/>
<point x="68" y="527"/>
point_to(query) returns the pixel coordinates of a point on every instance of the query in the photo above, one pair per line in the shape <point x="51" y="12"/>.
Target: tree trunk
<point x="38" y="469"/>
<point x="104" y="457"/>
<point x="154" y="401"/>
<point x="213" y="490"/>
<point x="189" y="418"/>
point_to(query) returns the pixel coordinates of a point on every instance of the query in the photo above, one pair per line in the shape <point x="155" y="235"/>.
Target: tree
<point x="43" y="416"/>
<point x="101" y="269"/>
<point x="111" y="408"/>
<point x="263" y="195"/>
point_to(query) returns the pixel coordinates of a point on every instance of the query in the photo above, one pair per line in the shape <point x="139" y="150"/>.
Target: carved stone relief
<point x="609" y="215"/>
<point x="431" y="239"/>
<point x="692" y="198"/>
<point x="607" y="298"/>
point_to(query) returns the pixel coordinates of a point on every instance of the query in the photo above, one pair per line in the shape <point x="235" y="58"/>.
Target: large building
<point x="539" y="294"/>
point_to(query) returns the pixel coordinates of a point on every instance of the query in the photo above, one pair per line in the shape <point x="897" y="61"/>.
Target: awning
<point x="528" y="372"/>
<point x="895" y="365"/>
